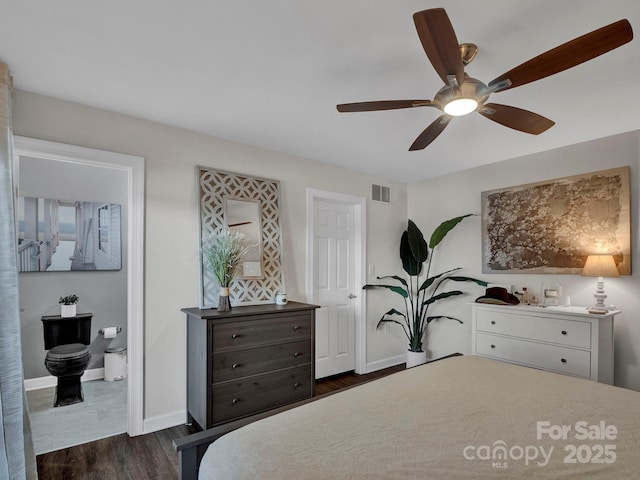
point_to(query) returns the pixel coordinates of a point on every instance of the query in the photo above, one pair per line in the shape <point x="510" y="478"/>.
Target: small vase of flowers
<point x="68" y="305"/>
<point x="223" y="253"/>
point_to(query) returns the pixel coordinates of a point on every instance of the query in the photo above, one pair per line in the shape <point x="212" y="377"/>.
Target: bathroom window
<point x="103" y="228"/>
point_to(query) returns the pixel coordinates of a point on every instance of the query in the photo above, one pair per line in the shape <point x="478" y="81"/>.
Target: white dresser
<point x="566" y="340"/>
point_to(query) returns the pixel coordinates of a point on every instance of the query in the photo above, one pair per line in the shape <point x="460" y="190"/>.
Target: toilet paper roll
<point x="110" y="332"/>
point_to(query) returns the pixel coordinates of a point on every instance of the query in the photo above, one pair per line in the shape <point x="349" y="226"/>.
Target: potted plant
<point x="68" y="305"/>
<point x="420" y="291"/>
<point x="223" y="253"/>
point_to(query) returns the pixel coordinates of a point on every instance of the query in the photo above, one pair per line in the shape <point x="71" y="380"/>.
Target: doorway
<point x="131" y="170"/>
<point x="336" y="258"/>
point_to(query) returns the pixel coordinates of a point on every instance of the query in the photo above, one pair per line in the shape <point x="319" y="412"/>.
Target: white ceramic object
<point x="281" y="298"/>
<point x="416" y="358"/>
<point x="68" y="310"/>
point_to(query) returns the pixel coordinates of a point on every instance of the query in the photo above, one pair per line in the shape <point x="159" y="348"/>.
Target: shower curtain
<point x="17" y="460"/>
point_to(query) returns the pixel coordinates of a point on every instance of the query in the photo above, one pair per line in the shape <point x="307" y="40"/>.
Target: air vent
<point x="380" y="193"/>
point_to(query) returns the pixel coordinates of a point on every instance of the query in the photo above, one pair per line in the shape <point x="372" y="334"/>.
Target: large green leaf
<point x="417" y="243"/>
<point x="405" y="325"/>
<point x="482" y="283"/>
<point x="394" y="288"/>
<point x="442" y="296"/>
<point x="409" y="262"/>
<point x="393" y="311"/>
<point x="445" y="227"/>
<point x="438" y="317"/>
<point x="429" y="281"/>
<point x="395" y="277"/>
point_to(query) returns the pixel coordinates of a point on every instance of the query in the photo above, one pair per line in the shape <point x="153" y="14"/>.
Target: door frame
<point x="360" y="222"/>
<point x="134" y="169"/>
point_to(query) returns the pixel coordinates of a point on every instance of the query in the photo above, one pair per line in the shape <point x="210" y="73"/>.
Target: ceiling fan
<point x="462" y="94"/>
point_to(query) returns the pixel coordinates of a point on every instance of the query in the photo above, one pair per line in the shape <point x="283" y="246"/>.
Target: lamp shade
<point x="600" y="266"/>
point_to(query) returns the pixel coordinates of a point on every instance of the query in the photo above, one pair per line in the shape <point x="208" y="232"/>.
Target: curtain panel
<point x="17" y="460"/>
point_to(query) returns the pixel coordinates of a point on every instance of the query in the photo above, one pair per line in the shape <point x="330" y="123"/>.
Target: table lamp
<point x="600" y="266"/>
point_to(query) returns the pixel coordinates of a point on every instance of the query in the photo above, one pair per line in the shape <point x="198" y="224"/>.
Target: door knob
<point x="352" y="296"/>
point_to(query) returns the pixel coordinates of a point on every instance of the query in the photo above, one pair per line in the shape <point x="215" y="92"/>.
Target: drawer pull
<point x="564" y="332"/>
<point x="296" y="355"/>
<point x="296" y="328"/>
<point x="234" y="401"/>
<point x="493" y="346"/>
<point x="236" y="365"/>
<point x="563" y="360"/>
<point x="235" y="335"/>
<point x="493" y="322"/>
<point x="296" y="385"/>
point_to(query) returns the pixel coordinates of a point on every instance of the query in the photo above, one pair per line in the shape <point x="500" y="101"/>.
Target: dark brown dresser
<point x="248" y="360"/>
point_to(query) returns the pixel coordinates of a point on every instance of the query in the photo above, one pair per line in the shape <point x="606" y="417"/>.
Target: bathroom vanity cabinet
<point x="566" y="340"/>
<point x="248" y="360"/>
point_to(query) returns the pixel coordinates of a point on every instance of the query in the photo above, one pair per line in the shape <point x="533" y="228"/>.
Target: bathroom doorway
<point x="51" y="170"/>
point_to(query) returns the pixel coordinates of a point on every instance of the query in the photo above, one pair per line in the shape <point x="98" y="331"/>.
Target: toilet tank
<point x="64" y="330"/>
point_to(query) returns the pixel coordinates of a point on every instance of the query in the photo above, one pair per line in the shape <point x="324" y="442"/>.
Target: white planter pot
<point x="68" y="310"/>
<point x="416" y="358"/>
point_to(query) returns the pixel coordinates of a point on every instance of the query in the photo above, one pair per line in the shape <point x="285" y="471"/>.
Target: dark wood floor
<point x="148" y="457"/>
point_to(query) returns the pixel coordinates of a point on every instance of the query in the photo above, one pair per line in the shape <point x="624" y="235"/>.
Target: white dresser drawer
<point x="548" y="357"/>
<point x="573" y="333"/>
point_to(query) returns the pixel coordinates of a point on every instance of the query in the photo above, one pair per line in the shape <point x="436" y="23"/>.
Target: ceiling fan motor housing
<point x="472" y="88"/>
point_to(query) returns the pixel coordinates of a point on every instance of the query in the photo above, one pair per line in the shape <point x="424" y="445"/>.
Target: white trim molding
<point x="360" y="208"/>
<point x="134" y="169"/>
<point x="385" y="363"/>
<point x="161" y="422"/>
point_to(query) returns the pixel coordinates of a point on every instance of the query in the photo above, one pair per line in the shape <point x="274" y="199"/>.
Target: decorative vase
<point x="68" y="310"/>
<point x="416" y="358"/>
<point x="224" y="305"/>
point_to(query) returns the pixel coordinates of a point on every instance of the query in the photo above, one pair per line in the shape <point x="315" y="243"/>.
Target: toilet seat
<point x="67" y="360"/>
<point x="72" y="351"/>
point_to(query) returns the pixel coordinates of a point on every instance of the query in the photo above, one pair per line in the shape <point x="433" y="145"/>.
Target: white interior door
<point x="334" y="286"/>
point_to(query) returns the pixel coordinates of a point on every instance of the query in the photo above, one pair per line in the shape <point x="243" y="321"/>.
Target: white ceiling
<point x="269" y="73"/>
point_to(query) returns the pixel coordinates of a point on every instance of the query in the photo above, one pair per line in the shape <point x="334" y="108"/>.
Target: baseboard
<point x="385" y="363"/>
<point x="160" y="422"/>
<point x="51" y="381"/>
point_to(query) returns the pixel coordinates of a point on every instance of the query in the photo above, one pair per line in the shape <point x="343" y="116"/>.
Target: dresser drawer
<point x="251" y="361"/>
<point x="253" y="394"/>
<point x="573" y="333"/>
<point x="540" y="355"/>
<point x="268" y="329"/>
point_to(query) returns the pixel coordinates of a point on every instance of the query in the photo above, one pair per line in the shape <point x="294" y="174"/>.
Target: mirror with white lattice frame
<point x="251" y="205"/>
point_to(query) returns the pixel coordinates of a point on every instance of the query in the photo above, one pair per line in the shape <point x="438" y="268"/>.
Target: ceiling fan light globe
<point x="460" y="106"/>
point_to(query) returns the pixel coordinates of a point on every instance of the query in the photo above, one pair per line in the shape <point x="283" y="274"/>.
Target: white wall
<point x="171" y="271"/>
<point x="444" y="197"/>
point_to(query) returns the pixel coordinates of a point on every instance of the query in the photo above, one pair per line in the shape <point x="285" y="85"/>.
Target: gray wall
<point x="102" y="293"/>
<point x="171" y="231"/>
<point x="444" y="197"/>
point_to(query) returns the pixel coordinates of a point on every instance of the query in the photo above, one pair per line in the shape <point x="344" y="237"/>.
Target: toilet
<point x="66" y="339"/>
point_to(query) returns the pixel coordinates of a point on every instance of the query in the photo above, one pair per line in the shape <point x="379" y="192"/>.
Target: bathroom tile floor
<point x="102" y="414"/>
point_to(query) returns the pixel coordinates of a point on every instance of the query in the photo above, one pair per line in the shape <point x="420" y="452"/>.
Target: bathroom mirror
<point x="234" y="201"/>
<point x="243" y="216"/>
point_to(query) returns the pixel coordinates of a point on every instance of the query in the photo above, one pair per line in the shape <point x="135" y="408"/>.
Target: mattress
<point x="458" y="418"/>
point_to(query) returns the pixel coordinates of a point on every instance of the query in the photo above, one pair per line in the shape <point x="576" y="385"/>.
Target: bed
<point x="457" y="418"/>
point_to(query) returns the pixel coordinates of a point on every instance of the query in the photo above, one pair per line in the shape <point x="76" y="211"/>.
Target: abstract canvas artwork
<point x="552" y="226"/>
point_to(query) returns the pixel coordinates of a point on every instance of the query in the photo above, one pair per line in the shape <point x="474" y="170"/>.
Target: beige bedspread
<point x="459" y="418"/>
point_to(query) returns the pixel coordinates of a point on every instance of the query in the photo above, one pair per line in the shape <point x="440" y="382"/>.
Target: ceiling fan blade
<point x="440" y="43"/>
<point x="516" y="118"/>
<point x="430" y="133"/>
<point x="568" y="55"/>
<point x="384" y="105"/>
